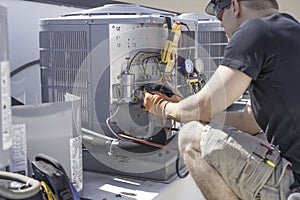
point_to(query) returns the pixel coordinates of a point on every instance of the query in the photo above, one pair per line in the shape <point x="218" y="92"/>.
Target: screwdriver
<point x="265" y="160"/>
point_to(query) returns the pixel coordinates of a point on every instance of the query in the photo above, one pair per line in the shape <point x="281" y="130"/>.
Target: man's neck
<point x="259" y="13"/>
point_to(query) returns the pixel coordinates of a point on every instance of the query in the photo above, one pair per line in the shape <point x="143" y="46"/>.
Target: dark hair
<point x="260" y="4"/>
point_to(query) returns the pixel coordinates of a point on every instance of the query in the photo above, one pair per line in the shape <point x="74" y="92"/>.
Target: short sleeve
<point x="250" y="48"/>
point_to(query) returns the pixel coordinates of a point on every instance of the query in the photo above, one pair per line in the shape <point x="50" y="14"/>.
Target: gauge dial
<point x="199" y="65"/>
<point x="189" y="66"/>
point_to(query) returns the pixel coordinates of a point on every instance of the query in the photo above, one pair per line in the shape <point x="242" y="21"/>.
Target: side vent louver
<point x="63" y="66"/>
<point x="212" y="41"/>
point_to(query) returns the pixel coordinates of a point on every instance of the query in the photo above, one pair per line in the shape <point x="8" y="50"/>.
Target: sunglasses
<point x="217" y="8"/>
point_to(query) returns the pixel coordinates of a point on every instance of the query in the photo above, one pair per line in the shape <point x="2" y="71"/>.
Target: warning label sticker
<point x="76" y="162"/>
<point x="19" y="150"/>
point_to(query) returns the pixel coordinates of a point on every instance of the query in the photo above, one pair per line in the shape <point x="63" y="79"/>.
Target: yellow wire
<point x="44" y="187"/>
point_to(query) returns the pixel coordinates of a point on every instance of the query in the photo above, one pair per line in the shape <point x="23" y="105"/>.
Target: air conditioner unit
<point x="104" y="55"/>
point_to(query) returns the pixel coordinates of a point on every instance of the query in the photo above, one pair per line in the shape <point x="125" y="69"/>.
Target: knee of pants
<point x="189" y="136"/>
<point x="294" y="196"/>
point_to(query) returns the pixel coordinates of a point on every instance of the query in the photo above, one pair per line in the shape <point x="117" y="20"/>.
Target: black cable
<point x="149" y="57"/>
<point x="190" y="34"/>
<point x="169" y="24"/>
<point x="23" y="67"/>
<point x="130" y="63"/>
<point x="178" y="170"/>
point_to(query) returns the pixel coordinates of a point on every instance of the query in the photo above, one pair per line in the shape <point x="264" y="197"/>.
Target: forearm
<point x="219" y="92"/>
<point x="240" y="120"/>
<point x="233" y="119"/>
<point x="186" y="110"/>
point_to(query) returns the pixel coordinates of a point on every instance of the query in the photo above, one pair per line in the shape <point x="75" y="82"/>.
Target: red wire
<point x="168" y="129"/>
<point x="146" y="142"/>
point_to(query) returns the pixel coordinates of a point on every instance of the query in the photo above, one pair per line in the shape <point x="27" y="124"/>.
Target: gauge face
<point x="189" y="66"/>
<point x="199" y="65"/>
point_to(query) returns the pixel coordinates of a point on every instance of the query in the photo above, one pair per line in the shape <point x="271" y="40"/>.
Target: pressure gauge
<point x="199" y="65"/>
<point x="189" y="66"/>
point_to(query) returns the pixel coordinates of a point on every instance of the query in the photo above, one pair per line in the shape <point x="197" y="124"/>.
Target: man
<point x="223" y="151"/>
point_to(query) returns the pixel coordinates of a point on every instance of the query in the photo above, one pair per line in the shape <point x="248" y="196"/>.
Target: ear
<point x="235" y="7"/>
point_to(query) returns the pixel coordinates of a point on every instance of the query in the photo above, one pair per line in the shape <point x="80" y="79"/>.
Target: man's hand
<point x="156" y="102"/>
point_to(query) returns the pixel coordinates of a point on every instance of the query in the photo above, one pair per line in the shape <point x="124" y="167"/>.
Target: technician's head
<point x="232" y="13"/>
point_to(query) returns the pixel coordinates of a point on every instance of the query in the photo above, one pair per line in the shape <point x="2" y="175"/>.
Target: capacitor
<point x="127" y="86"/>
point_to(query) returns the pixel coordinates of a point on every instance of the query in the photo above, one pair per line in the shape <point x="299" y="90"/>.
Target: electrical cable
<point x="147" y="142"/>
<point x="148" y="57"/>
<point x="109" y="127"/>
<point x="109" y="118"/>
<point x="161" y="92"/>
<point x="29" y="189"/>
<point x="190" y="35"/>
<point x="45" y="188"/>
<point x="177" y="166"/>
<point x="178" y="170"/>
<point x="23" y="67"/>
<point x="145" y="52"/>
<point x="167" y="130"/>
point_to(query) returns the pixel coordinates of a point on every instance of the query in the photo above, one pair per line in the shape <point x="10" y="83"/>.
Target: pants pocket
<point x="269" y="193"/>
<point x="278" y="185"/>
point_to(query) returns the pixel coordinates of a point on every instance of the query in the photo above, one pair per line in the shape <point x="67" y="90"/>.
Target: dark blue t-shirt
<point x="268" y="50"/>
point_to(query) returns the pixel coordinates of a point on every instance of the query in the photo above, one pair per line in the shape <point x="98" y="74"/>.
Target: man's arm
<point x="241" y="120"/>
<point x="224" y="87"/>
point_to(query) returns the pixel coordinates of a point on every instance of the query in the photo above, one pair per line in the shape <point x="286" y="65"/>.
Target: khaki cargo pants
<point x="238" y="157"/>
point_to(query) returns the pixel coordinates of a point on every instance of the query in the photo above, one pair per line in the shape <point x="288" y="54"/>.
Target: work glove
<point x="155" y="102"/>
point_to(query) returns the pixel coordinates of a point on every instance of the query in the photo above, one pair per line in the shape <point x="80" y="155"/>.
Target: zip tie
<point x="27" y="183"/>
<point x="113" y="142"/>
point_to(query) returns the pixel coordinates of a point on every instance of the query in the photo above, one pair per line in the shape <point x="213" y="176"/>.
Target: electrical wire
<point x="167" y="130"/>
<point x="31" y="186"/>
<point x="141" y="83"/>
<point x="178" y="169"/>
<point x="23" y="67"/>
<point x="147" y="142"/>
<point x="161" y="92"/>
<point x="148" y="57"/>
<point x="47" y="190"/>
<point x="111" y="117"/>
<point x="145" y="52"/>
<point x="108" y="125"/>
<point x="190" y="37"/>
<point x="177" y="164"/>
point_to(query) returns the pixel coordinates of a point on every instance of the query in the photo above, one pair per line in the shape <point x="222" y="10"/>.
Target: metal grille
<point x="63" y="39"/>
<point x="212" y="41"/>
<point x="63" y="66"/>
